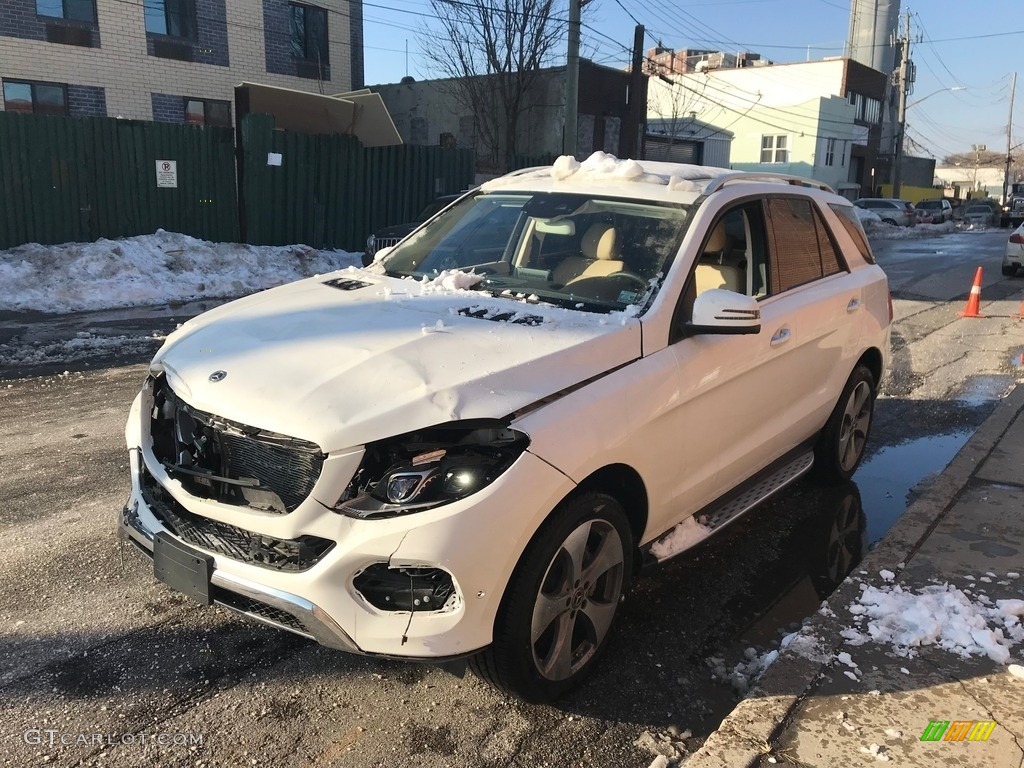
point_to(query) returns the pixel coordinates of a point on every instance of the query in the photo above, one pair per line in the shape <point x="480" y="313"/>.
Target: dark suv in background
<point x="388" y="236"/>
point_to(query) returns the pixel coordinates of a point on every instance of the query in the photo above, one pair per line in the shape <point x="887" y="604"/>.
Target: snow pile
<point x="939" y="615"/>
<point x="150" y="269"/>
<point x="83" y="347"/>
<point x="685" y="535"/>
<point x="754" y="663"/>
<point x="448" y="281"/>
<point x="867" y="217"/>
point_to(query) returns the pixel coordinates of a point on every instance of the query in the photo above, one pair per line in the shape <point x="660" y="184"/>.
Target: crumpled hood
<point x="345" y="367"/>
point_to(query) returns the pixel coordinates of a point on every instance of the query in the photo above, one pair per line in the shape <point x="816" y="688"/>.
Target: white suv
<point x="470" y="447"/>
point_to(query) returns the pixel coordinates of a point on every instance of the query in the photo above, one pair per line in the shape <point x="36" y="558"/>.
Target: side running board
<point x="696" y="529"/>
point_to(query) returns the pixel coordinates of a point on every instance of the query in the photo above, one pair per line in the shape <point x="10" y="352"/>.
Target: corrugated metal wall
<point x="331" y="192"/>
<point x="79" y="179"/>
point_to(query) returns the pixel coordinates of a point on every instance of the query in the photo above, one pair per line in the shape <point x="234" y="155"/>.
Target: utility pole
<point x="572" y="80"/>
<point x="1009" y="130"/>
<point x="637" y="103"/>
<point x="905" y="79"/>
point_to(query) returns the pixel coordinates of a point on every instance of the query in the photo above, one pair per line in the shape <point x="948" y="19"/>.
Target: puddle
<point x="982" y="390"/>
<point x="886" y="480"/>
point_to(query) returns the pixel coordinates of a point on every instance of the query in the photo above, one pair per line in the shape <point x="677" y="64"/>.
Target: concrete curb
<point x="745" y="734"/>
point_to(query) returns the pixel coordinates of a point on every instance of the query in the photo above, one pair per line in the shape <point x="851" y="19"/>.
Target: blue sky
<point x="975" y="44"/>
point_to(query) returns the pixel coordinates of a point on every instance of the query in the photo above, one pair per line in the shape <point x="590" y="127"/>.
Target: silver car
<point x="899" y="213"/>
<point x="1013" y="259"/>
<point x="980" y="215"/>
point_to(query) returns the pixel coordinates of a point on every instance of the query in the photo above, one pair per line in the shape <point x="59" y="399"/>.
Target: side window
<point x="733" y="256"/>
<point x="802" y="250"/>
<point x="848" y="218"/>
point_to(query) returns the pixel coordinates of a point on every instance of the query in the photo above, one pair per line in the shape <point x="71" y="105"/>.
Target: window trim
<point x="33" y="83"/>
<point x="775" y="149"/>
<point x="206" y="111"/>
<point x="92" y="24"/>
<point x="325" y="59"/>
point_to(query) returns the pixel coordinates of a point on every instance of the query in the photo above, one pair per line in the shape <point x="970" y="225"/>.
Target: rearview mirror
<point x="718" y="311"/>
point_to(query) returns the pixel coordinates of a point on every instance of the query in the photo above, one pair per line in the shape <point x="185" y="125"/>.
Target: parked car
<point x="899" y="213"/>
<point x="468" y="448"/>
<point x="389" y="236"/>
<point x="1013" y="258"/>
<point x="981" y="215"/>
<point x="937" y="211"/>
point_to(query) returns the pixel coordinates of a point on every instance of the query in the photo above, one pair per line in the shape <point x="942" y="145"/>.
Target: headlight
<point x="425" y="469"/>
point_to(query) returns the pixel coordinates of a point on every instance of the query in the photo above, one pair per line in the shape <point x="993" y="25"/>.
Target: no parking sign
<point x="167" y="173"/>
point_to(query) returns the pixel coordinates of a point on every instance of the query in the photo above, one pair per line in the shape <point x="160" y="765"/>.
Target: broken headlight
<point x="427" y="468"/>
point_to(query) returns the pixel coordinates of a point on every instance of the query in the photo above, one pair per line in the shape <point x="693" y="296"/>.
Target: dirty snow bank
<point x="150" y="269"/>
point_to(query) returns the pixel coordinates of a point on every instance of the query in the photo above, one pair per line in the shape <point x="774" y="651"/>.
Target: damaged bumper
<point x="333" y="586"/>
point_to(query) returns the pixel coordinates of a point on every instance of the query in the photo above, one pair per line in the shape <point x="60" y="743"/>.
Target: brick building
<point x="171" y="60"/>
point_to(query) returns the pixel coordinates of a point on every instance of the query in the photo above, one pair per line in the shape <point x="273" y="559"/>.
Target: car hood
<point x="396" y="230"/>
<point x="377" y="357"/>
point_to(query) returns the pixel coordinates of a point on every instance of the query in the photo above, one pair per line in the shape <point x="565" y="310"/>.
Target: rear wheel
<point x="840" y="447"/>
<point x="560" y="604"/>
<point x="890" y="221"/>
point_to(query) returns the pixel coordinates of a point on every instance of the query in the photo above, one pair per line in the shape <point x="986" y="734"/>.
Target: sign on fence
<point x="167" y="174"/>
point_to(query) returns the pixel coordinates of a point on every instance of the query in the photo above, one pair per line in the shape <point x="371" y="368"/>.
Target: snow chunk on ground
<point x="682" y="537"/>
<point x="150" y="269"/>
<point x="886" y="575"/>
<point x="939" y="615"/>
<point x="1016" y="670"/>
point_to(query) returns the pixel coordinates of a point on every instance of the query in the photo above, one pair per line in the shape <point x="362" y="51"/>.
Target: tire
<point x="840" y="446"/>
<point x="890" y="221"/>
<point x="560" y="604"/>
<point x="1009" y="271"/>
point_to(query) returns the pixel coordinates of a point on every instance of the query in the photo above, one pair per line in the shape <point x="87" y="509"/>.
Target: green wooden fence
<point x="79" y="179"/>
<point x="329" y="191"/>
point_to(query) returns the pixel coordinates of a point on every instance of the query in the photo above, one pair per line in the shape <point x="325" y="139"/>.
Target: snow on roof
<point x="608" y="170"/>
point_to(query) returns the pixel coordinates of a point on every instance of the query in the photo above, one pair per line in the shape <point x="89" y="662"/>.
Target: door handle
<point x="853" y="306"/>
<point x="781" y="337"/>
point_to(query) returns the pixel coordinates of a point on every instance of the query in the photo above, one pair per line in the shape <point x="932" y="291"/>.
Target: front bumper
<point x="477" y="540"/>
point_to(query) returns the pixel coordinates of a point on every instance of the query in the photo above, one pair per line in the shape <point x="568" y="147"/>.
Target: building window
<point x="175" y="18"/>
<point x="309" y="33"/>
<point x="774" y="149"/>
<point x="37" y="98"/>
<point x="872" y="110"/>
<point x="207" y="112"/>
<point x="830" y="151"/>
<point x="73" y="10"/>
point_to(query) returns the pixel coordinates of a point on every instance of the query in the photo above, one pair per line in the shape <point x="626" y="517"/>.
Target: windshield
<point x="598" y="254"/>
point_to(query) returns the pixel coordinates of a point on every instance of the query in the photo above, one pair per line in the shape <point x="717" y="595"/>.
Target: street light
<point x="935" y="93"/>
<point x="897" y="175"/>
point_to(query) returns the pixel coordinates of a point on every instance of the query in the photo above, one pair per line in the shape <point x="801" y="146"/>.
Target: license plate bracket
<point x="182" y="568"/>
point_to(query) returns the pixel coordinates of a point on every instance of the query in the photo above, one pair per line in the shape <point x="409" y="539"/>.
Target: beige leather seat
<point x="601" y="249"/>
<point x="711" y="270"/>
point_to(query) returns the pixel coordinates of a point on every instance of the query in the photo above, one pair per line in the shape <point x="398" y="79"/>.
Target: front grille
<point x="257" y="608"/>
<point x="237" y="543"/>
<point x="232" y="463"/>
<point x="384" y="242"/>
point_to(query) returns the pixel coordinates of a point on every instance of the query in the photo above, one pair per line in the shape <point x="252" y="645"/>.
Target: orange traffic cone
<point x="1020" y="315"/>
<point x="974" y="300"/>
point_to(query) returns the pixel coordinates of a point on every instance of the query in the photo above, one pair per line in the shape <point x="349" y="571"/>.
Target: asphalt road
<point x="104" y="666"/>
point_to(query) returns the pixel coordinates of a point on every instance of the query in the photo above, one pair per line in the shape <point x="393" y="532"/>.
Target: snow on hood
<point x="344" y="367"/>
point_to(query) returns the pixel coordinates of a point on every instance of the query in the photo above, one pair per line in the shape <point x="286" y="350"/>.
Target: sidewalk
<point x="817" y="707"/>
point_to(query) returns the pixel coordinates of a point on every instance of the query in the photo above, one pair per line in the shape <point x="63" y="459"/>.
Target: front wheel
<point x="840" y="447"/>
<point x="560" y="604"/>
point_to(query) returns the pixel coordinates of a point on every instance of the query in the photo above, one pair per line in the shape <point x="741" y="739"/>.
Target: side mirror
<point x="719" y="311"/>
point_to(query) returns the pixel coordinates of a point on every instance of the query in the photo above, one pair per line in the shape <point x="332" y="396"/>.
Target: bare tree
<point x="492" y="51"/>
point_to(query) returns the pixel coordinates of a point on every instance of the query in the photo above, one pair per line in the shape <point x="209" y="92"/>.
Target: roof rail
<point x="741" y="176"/>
